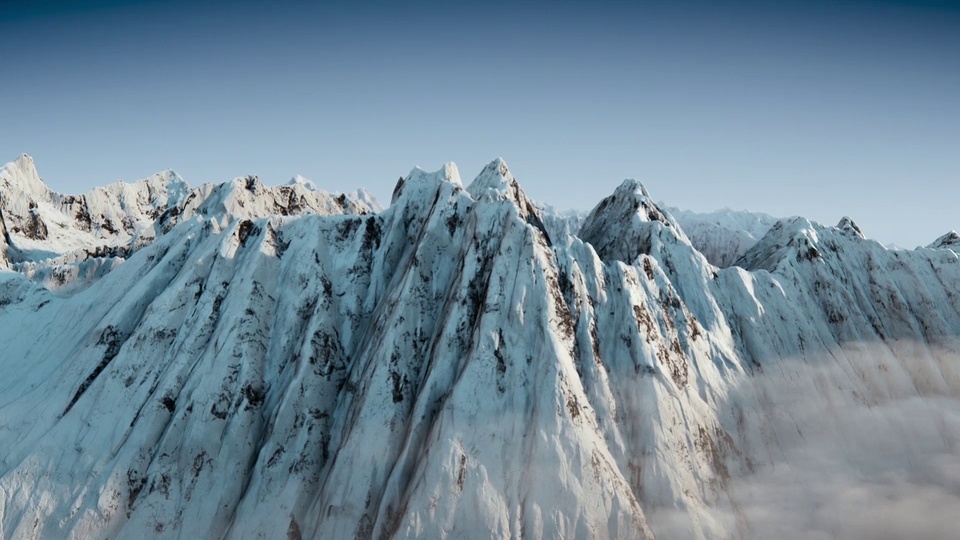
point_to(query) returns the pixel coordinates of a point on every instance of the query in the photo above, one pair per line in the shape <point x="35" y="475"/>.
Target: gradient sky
<point x="793" y="107"/>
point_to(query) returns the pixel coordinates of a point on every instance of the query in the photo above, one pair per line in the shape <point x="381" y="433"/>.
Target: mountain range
<point x="244" y="361"/>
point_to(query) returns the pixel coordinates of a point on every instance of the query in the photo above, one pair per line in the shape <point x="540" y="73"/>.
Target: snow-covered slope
<point x="448" y="368"/>
<point x="725" y="235"/>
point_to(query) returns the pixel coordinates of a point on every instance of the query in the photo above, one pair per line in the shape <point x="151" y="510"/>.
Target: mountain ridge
<point x="66" y="241"/>
<point x="448" y="365"/>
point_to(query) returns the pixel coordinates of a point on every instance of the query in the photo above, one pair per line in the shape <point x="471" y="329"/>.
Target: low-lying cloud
<point x="888" y="471"/>
<point x="879" y="460"/>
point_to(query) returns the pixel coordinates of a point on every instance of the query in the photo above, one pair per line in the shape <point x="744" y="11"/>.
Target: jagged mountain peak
<point x="627" y="223"/>
<point x="299" y="180"/>
<point x="25" y="162"/>
<point x="369" y="199"/>
<point x="19" y="178"/>
<point x="632" y="186"/>
<point x="789" y="239"/>
<point x="420" y="183"/>
<point x="166" y="185"/>
<point x="951" y="240"/>
<point x="448" y="173"/>
<point x="632" y="199"/>
<point x="250" y="182"/>
<point x="792" y="226"/>
<point x="247" y="197"/>
<point x="850" y="227"/>
<point x="496" y="176"/>
<point x="496" y="182"/>
<point x="171" y="176"/>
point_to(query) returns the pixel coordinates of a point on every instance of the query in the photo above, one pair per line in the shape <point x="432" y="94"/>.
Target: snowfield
<point x="243" y="361"/>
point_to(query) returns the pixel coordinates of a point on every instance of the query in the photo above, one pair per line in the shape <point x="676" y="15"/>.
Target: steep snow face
<point x="448" y="365"/>
<point x="725" y="235"/>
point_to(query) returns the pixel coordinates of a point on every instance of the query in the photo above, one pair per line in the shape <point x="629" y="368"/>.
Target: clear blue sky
<point x="791" y="107"/>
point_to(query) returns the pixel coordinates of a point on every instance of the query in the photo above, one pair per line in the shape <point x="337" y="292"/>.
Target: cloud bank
<point x="877" y="460"/>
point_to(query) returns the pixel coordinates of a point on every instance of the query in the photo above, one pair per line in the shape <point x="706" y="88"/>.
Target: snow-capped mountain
<point x="723" y="236"/>
<point x="65" y="241"/>
<point x="951" y="240"/>
<point x="453" y="366"/>
<point x="299" y="180"/>
<point x="41" y="221"/>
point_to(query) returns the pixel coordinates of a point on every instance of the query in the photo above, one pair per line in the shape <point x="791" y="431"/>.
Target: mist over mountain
<point x="246" y="361"/>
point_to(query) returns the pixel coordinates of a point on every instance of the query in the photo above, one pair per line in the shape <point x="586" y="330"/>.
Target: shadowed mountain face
<point x="446" y="367"/>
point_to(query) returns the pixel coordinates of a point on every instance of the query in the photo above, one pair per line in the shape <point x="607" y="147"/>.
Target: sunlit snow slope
<point x="444" y="368"/>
